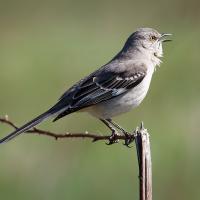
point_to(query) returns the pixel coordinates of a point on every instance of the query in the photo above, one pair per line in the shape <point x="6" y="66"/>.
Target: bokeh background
<point x="46" y="46"/>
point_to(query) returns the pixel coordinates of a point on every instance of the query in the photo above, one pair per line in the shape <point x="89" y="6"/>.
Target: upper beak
<point x="163" y="37"/>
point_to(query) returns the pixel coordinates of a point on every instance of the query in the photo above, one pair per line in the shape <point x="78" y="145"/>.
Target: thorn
<point x="6" y="117"/>
<point x="94" y="140"/>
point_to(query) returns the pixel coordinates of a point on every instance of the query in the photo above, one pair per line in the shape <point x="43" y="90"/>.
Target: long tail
<point x="55" y="109"/>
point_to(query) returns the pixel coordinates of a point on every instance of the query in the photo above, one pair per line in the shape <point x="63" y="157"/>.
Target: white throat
<point x="156" y="60"/>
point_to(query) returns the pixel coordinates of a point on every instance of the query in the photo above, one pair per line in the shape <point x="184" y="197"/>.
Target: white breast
<point x="123" y="103"/>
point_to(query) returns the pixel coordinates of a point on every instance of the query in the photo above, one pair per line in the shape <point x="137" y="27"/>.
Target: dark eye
<point x="153" y="38"/>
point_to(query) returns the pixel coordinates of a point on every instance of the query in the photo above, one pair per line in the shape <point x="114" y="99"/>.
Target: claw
<point x="112" y="139"/>
<point x="128" y="140"/>
<point x="111" y="142"/>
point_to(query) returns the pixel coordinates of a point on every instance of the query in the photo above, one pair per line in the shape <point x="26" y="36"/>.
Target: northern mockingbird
<point x="115" y="88"/>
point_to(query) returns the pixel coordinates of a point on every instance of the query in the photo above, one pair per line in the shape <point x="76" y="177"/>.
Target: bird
<point x="115" y="88"/>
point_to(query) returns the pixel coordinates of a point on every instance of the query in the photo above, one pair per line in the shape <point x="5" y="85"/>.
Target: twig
<point x="95" y="137"/>
<point x="144" y="163"/>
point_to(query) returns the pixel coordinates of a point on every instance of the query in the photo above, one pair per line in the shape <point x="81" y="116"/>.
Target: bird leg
<point x="112" y="139"/>
<point x="128" y="137"/>
<point x="117" y="126"/>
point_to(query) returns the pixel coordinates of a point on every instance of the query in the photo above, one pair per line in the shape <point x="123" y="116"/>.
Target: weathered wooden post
<point x="144" y="163"/>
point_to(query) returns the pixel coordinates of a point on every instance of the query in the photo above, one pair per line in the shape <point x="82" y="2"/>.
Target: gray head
<point x="147" y="40"/>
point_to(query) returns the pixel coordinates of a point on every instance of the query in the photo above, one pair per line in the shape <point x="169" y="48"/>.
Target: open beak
<point x="163" y="37"/>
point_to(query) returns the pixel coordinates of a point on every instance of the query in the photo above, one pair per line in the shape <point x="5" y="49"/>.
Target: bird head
<point x="148" y="41"/>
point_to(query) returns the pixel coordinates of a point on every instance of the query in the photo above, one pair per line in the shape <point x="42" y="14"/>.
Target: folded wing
<point x="101" y="87"/>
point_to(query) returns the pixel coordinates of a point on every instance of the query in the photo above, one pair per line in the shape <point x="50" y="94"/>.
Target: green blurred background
<point x="46" y="46"/>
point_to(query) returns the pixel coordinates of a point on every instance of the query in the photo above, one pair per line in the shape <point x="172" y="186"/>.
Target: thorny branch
<point x="93" y="136"/>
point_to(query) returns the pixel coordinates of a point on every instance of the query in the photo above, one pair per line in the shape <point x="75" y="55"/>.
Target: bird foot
<point x="128" y="139"/>
<point x="113" y="138"/>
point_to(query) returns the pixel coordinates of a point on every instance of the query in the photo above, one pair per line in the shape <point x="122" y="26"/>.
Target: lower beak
<point x="163" y="37"/>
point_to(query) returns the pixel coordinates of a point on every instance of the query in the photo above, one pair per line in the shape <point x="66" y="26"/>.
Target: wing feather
<point x="99" y="87"/>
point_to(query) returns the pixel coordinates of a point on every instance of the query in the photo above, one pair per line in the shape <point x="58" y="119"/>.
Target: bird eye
<point x="153" y="38"/>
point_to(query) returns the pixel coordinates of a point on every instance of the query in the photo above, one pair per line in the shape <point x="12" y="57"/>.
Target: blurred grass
<point x="45" y="46"/>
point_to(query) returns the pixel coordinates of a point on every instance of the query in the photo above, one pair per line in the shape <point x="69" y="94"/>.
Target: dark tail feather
<point x="31" y="124"/>
<point x="62" y="114"/>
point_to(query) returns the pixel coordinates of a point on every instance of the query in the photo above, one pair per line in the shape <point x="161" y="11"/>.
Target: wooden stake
<point x="144" y="163"/>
